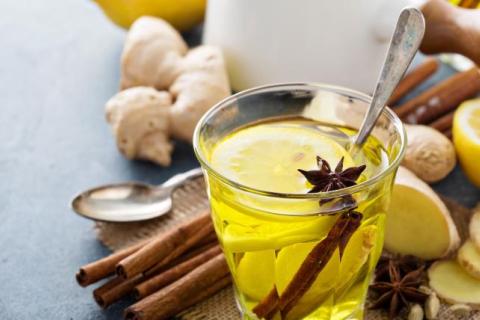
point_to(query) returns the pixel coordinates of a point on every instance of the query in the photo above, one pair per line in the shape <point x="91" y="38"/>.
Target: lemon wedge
<point x="267" y="156"/>
<point x="466" y="137"/>
<point x="254" y="274"/>
<point x="356" y="254"/>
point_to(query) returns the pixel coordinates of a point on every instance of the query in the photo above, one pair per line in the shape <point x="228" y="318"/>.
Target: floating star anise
<point x="325" y="179"/>
<point x="400" y="289"/>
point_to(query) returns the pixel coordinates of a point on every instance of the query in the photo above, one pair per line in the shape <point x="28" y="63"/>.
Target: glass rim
<point x="391" y="116"/>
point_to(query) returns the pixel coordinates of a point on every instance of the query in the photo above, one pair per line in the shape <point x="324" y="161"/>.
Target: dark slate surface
<point x="58" y="66"/>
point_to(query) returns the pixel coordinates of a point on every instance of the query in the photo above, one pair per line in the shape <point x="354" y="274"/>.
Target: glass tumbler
<point x="268" y="236"/>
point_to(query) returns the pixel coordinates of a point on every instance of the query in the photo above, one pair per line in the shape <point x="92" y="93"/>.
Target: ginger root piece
<point x="430" y="155"/>
<point x="152" y="55"/>
<point x="139" y="119"/>
<point x="474" y="227"/>
<point x="201" y="85"/>
<point x="469" y="258"/>
<point x="156" y="56"/>
<point x="418" y="222"/>
<point x="453" y="284"/>
<point x="145" y="119"/>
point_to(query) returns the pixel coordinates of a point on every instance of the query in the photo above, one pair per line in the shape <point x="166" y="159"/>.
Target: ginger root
<point x="418" y="222"/>
<point x="199" y="87"/>
<point x="139" y="119"/>
<point x="430" y="155"/>
<point x="155" y="57"/>
<point x="453" y="284"/>
<point x="469" y="258"/>
<point x="474" y="227"/>
<point x="152" y="54"/>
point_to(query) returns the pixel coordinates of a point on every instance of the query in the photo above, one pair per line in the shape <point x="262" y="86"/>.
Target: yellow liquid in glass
<point x="266" y="239"/>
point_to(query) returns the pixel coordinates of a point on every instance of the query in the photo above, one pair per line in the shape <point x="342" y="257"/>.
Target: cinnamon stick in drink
<point x="313" y="264"/>
<point x="413" y="79"/>
<point x="179" y="239"/>
<point x="441" y="98"/>
<point x="105" y="267"/>
<point x="195" y="286"/>
<point x="165" y="278"/>
<point x="470" y="4"/>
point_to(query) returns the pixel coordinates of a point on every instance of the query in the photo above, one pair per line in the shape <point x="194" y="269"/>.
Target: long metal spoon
<point x="405" y="41"/>
<point x="130" y="201"/>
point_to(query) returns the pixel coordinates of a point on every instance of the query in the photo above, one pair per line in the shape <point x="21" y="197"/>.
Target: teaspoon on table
<point x="130" y="201"/>
<point x="404" y="44"/>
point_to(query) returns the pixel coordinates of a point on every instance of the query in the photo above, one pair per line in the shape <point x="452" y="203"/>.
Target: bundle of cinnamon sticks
<point x="435" y="106"/>
<point x="167" y="273"/>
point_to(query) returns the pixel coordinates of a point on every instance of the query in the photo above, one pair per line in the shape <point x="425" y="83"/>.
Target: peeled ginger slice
<point x="474" y="227"/>
<point x="469" y="258"/>
<point x="453" y="284"/>
<point x="418" y="222"/>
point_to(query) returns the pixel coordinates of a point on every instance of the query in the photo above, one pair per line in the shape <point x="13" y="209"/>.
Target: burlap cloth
<point x="189" y="200"/>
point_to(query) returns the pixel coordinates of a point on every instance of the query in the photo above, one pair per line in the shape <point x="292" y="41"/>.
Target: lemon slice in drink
<point x="356" y="254"/>
<point x="267" y="156"/>
<point x="255" y="273"/>
<point x="272" y="235"/>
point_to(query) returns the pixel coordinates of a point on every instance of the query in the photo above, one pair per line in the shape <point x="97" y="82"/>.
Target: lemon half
<point x="466" y="137"/>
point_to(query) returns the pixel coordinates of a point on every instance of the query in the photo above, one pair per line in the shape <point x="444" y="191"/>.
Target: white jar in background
<point x="340" y="42"/>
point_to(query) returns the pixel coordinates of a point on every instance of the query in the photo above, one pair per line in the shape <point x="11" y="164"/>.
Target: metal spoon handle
<point x="179" y="179"/>
<point x="406" y="39"/>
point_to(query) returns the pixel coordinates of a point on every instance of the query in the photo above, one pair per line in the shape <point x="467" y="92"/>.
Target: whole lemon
<point x="182" y="14"/>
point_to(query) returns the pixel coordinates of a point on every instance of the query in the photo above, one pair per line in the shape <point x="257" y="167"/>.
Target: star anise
<point x="325" y="179"/>
<point x="400" y="289"/>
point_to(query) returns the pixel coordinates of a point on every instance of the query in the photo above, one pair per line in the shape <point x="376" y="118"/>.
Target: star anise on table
<point x="397" y="283"/>
<point x="324" y="179"/>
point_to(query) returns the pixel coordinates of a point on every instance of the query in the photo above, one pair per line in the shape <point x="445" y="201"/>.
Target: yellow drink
<point x="286" y="254"/>
<point x="266" y="241"/>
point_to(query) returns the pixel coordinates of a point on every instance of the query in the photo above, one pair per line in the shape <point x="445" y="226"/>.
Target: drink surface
<point x="266" y="239"/>
<point x="266" y="156"/>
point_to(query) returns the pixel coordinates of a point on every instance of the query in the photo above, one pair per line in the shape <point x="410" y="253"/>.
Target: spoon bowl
<point x="130" y="201"/>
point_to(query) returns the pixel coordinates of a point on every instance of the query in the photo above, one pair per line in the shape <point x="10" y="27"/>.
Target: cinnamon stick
<point x="441" y="98"/>
<point x="428" y="67"/>
<point x="268" y="306"/>
<point x="115" y="289"/>
<point x="160" y="267"/>
<point x="443" y="123"/>
<point x="165" y="278"/>
<point x="118" y="287"/>
<point x="204" y="233"/>
<point x="448" y="133"/>
<point x="183" y="293"/>
<point x="105" y="267"/>
<point x="178" y="240"/>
